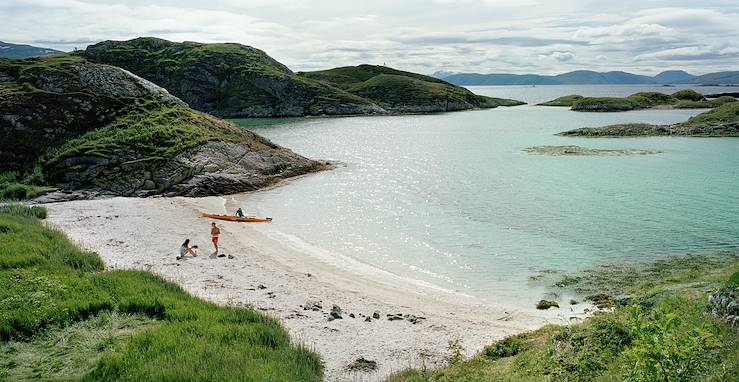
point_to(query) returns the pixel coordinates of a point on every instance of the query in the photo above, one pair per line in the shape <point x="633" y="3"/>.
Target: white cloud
<point x="419" y="35"/>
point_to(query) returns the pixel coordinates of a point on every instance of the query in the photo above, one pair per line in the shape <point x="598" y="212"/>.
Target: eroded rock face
<point x="213" y="168"/>
<point x="725" y="305"/>
<point x="50" y="104"/>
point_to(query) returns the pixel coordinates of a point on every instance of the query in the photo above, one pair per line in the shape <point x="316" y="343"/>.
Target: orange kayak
<point x="245" y="219"/>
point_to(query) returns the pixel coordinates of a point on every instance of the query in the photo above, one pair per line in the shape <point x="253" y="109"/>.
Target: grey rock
<point x="312" y="305"/>
<point x="414" y="319"/>
<point x="336" y="312"/>
<point x="725" y="305"/>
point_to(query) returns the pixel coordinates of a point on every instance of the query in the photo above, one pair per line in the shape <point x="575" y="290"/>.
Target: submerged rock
<point x="546" y="304"/>
<point x="584" y="151"/>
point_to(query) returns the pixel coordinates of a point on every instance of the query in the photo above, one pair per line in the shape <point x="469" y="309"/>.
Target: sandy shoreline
<point x="277" y="278"/>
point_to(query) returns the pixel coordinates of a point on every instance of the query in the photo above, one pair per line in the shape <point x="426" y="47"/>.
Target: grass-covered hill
<point x="234" y="80"/>
<point x="227" y="80"/>
<point x="80" y="125"/>
<point x="400" y="92"/>
<point x="722" y="121"/>
<point x="64" y="318"/>
<point x="683" y="99"/>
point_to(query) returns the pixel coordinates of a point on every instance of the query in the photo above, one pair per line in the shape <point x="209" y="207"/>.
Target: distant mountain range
<point x="16" y="51"/>
<point x="588" y="77"/>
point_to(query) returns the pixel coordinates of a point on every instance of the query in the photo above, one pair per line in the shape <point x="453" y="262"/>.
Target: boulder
<point x="336" y="312"/>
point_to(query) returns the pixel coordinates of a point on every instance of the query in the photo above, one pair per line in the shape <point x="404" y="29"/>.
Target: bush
<point x="507" y="347"/>
<point x="733" y="281"/>
<point x="688" y="95"/>
<point x="673" y="342"/>
<point x="14" y="191"/>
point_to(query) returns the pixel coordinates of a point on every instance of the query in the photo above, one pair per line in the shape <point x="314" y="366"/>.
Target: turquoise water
<point x="450" y="199"/>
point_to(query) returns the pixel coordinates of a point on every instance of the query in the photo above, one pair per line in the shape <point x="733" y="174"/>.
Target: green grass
<point x="150" y="132"/>
<point x="728" y="112"/>
<point x="63" y="317"/>
<point x="568" y="100"/>
<point x="670" y="338"/>
<point x="603" y="104"/>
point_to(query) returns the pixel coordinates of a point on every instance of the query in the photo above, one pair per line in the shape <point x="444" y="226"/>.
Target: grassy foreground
<point x="62" y="317"/>
<point x="663" y="333"/>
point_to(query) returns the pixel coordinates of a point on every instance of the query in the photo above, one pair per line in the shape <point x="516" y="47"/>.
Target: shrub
<point x="507" y="347"/>
<point x="673" y="342"/>
<point x="733" y="281"/>
<point x="688" y="95"/>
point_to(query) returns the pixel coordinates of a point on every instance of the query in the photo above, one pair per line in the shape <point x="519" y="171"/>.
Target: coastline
<point x="279" y="278"/>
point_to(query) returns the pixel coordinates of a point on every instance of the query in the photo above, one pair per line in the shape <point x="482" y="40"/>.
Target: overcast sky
<point x="486" y="36"/>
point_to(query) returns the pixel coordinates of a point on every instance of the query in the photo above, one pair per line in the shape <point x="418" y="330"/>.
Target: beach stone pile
<point x="725" y="305"/>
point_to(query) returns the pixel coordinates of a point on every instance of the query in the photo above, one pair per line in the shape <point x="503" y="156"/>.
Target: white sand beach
<point x="277" y="278"/>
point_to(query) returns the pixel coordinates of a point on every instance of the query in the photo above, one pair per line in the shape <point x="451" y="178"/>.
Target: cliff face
<point x="233" y="80"/>
<point x="102" y="129"/>
<point x="227" y="80"/>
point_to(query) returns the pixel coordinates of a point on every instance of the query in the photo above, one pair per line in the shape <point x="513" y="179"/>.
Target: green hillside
<point x="234" y="80"/>
<point x="401" y="91"/>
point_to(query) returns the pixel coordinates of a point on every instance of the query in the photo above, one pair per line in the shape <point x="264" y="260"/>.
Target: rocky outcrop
<point x="96" y="129"/>
<point x="213" y="168"/>
<point x="48" y="101"/>
<point x="725" y="305"/>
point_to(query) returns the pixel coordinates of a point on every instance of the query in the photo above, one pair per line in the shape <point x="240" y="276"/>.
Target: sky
<point x="483" y="36"/>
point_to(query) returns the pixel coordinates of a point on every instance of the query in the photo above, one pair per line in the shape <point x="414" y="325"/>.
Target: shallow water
<point x="450" y="199"/>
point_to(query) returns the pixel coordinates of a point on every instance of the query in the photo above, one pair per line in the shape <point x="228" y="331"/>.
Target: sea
<point x="451" y="201"/>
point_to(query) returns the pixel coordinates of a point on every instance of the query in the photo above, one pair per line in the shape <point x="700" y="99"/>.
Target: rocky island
<point x="722" y="121"/>
<point x="683" y="99"/>
<point x="94" y="127"/>
<point x="233" y="81"/>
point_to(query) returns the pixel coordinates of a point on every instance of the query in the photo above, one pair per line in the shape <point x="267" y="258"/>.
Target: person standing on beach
<point x="214" y="233"/>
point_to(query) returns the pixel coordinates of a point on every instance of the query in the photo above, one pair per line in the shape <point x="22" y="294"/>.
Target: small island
<point x="722" y="121"/>
<point x="585" y="151"/>
<point x="683" y="99"/>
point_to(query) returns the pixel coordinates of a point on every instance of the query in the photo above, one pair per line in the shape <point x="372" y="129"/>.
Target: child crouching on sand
<point x="185" y="249"/>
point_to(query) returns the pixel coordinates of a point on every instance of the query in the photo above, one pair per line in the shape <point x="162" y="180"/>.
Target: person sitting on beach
<point x="214" y="233"/>
<point x="185" y="249"/>
<point x="240" y="213"/>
